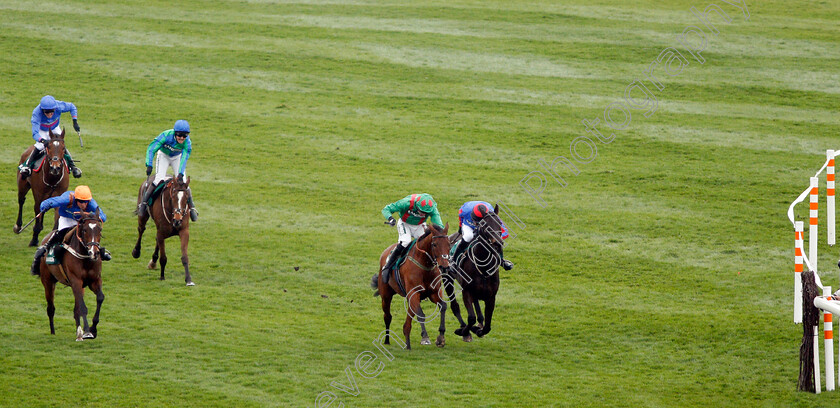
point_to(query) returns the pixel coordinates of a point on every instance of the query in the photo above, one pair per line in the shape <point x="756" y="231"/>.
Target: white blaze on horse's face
<point x="180" y="199"/>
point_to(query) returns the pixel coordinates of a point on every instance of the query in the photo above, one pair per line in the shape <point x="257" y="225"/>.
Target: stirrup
<point x="25" y="171"/>
<point x="104" y="254"/>
<point x="193" y="214"/>
<point x="76" y="172"/>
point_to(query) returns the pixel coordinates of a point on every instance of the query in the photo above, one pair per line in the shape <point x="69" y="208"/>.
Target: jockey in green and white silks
<point x="45" y="118"/>
<point x="171" y="149"/>
<point x="413" y="211"/>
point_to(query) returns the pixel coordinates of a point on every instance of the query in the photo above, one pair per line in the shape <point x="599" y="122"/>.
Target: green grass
<point x="659" y="277"/>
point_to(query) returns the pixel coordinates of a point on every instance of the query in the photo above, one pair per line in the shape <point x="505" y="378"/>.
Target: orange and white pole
<point x="829" y="196"/>
<point x="813" y="229"/>
<point x="817" y="384"/>
<point x="798" y="267"/>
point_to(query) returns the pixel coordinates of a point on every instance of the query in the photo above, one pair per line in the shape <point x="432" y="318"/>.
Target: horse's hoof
<point x="152" y="265"/>
<point x="467" y="339"/>
<point x="425" y="341"/>
<point x="79" y="339"/>
<point x="161" y="278"/>
<point x="441" y="341"/>
<point x="135" y="253"/>
<point x="190" y="283"/>
<point x="88" y="335"/>
<point x="480" y="333"/>
<point x="16" y="229"/>
<point x="475" y="329"/>
<point x="33" y="243"/>
<point x="459" y="331"/>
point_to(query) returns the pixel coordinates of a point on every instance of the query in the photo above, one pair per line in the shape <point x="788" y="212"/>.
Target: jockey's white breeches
<point x="164" y="162"/>
<point x="408" y="231"/>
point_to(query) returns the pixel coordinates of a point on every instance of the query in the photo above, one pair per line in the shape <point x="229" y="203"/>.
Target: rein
<point x="428" y="256"/>
<point x="86" y="245"/>
<point x="174" y="212"/>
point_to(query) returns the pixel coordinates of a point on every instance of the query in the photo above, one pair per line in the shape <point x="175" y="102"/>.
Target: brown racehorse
<point x="171" y="214"/>
<point x="81" y="265"/>
<point x="50" y="181"/>
<point x="421" y="274"/>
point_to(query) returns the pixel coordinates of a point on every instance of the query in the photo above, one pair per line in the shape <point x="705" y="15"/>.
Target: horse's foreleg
<point x="413" y="307"/>
<point x="468" y="303"/>
<point x="456" y="310"/>
<point x="489" y="306"/>
<point x="38" y="227"/>
<point x="386" y="314"/>
<point x="185" y="260"/>
<point x="49" y="293"/>
<point x="153" y="261"/>
<point x="441" y="340"/>
<point x="23" y="188"/>
<point x="141" y="228"/>
<point x="424" y="335"/>
<point x="161" y="242"/>
<point x="96" y="288"/>
<point x="80" y="310"/>
<point x="478" y="316"/>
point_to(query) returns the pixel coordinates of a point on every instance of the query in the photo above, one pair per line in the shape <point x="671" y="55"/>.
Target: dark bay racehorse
<point x="171" y="214"/>
<point x="50" y="181"/>
<point x="421" y="274"/>
<point x="477" y="271"/>
<point x="81" y="265"/>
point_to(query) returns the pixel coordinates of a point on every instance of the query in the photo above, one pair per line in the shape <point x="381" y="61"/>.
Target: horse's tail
<point x="374" y="284"/>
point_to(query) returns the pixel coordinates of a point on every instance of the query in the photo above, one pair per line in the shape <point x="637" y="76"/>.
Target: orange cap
<point x="83" y="193"/>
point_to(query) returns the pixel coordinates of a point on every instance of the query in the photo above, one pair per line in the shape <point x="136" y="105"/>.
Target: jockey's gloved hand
<point x="391" y="221"/>
<point x="148" y="170"/>
<point x="76" y="126"/>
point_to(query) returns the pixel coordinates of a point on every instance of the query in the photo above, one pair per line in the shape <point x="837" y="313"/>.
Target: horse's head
<point x="89" y="232"/>
<point x="439" y="246"/>
<point x="55" y="152"/>
<point x="178" y="195"/>
<point x="490" y="229"/>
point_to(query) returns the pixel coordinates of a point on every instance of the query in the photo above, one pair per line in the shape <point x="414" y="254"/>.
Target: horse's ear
<point x="97" y="212"/>
<point x="188" y="181"/>
<point x="62" y="133"/>
<point x="446" y="228"/>
<point x="496" y="209"/>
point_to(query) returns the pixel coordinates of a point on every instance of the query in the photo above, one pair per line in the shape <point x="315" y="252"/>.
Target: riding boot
<point x="508" y="265"/>
<point x="26" y="167"/>
<point x="459" y="249"/>
<point x="150" y="188"/>
<point x="104" y="254"/>
<point x="54" y="237"/>
<point x="392" y="258"/>
<point x="193" y="211"/>
<point x="72" y="165"/>
<point x="36" y="263"/>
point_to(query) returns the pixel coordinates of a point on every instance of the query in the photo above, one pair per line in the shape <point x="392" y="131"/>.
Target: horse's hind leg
<point x="96" y="288"/>
<point x="23" y="188"/>
<point x="465" y="331"/>
<point x="441" y="340"/>
<point x="456" y="310"/>
<point x="49" y="293"/>
<point x="413" y="307"/>
<point x="141" y="228"/>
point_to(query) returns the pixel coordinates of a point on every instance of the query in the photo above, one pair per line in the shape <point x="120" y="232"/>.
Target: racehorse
<point x="477" y="271"/>
<point x="80" y="266"/>
<point x="171" y="214"/>
<point x="48" y="182"/>
<point x="421" y="274"/>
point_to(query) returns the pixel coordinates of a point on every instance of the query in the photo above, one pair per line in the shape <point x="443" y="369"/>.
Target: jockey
<point x="470" y="215"/>
<point x="45" y="117"/>
<point x="69" y="206"/>
<point x="414" y="209"/>
<point x="173" y="148"/>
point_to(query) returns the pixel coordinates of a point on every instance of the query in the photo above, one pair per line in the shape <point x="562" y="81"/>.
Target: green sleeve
<point x="397" y="206"/>
<point x="150" y="152"/>
<point x="435" y="218"/>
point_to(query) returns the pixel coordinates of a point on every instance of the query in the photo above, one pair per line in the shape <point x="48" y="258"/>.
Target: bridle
<point x="178" y="213"/>
<point x="87" y="245"/>
<point x="429" y="256"/>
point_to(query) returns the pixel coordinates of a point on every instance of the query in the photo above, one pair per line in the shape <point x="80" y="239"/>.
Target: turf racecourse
<point x="659" y="276"/>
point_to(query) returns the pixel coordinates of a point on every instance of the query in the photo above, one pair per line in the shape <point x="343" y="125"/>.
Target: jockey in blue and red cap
<point x="470" y="215"/>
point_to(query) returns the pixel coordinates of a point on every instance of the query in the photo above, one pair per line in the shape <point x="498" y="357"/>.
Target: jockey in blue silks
<point x="45" y="117"/>
<point x="171" y="148"/>
<point x="69" y="206"/>
<point x="470" y="215"/>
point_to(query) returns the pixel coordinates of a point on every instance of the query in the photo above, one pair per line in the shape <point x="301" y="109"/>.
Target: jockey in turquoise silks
<point x="171" y="148"/>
